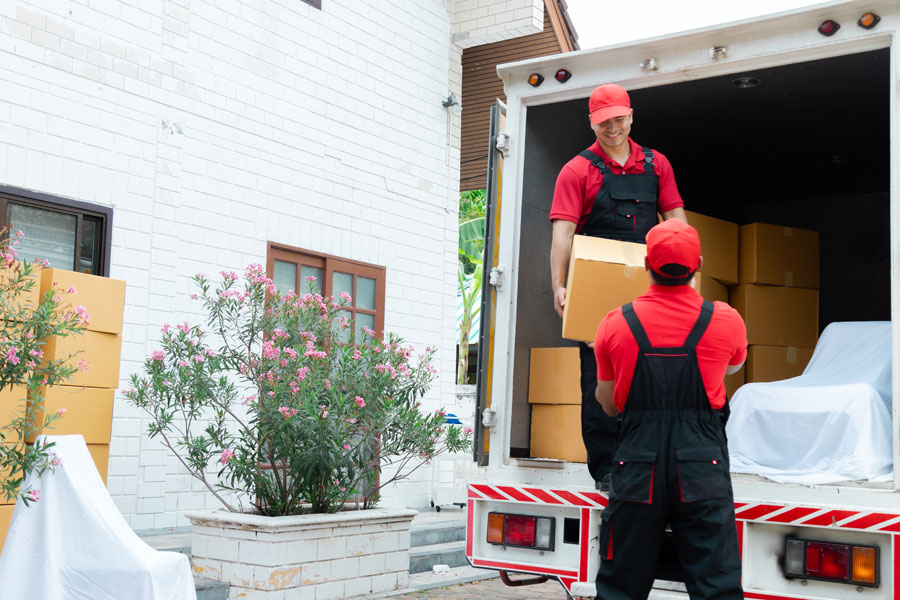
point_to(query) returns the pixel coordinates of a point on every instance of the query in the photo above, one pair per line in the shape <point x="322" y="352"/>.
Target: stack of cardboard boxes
<point x="770" y="274"/>
<point x="88" y="396"/>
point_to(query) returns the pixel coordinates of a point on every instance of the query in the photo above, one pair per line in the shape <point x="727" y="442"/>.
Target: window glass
<point x="48" y="234"/>
<point x="363" y="320"/>
<point x="306" y="271"/>
<point x="342" y="282"/>
<point x="89" y="259"/>
<point x="284" y="276"/>
<point x="342" y="334"/>
<point x="365" y="293"/>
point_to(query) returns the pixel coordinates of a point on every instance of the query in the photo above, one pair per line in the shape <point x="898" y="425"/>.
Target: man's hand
<point x="560" y="252"/>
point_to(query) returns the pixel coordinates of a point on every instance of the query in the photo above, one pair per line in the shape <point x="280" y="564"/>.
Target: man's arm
<point x="560" y="252"/>
<point x="675" y="213"/>
<point x="604" y="395"/>
<point x="732" y="369"/>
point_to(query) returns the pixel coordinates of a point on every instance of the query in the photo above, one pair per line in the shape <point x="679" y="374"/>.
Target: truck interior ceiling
<point x="801" y="145"/>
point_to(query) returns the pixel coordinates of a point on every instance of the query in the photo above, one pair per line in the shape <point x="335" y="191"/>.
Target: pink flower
<point x="83" y="365"/>
<point x="11" y="355"/>
<point x="226" y="456"/>
<point x="71" y="290"/>
<point x="360" y="402"/>
<point x="467" y="429"/>
<point x="165" y="328"/>
<point x="346" y="446"/>
<point x="198" y="358"/>
<point x="56" y="461"/>
<point x="210" y="352"/>
<point x="60" y="412"/>
<point x="182" y="363"/>
<point x="193" y="296"/>
<point x="158" y="356"/>
<point x="184" y="328"/>
<point x="286" y="412"/>
<point x="34" y="495"/>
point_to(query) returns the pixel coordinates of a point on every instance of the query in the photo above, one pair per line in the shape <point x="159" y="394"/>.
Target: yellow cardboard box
<point x="102" y="351"/>
<point x="100" y="454"/>
<point x="734" y="381"/>
<point x="103" y="298"/>
<point x="709" y="288"/>
<point x="556" y="432"/>
<point x="88" y="411"/>
<point x="775" y="255"/>
<point x="11" y="401"/>
<point x="554" y="376"/>
<point x="718" y="245"/>
<point x="31" y="298"/>
<point x="6" y="512"/>
<point x="603" y="275"/>
<point x="778" y="316"/>
<point x="775" y="363"/>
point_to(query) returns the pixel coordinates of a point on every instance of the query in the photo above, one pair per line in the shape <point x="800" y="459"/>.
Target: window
<point x="71" y="235"/>
<point x="290" y="267"/>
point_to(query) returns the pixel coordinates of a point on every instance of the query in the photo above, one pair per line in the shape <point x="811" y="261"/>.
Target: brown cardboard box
<point x="554" y="376"/>
<point x="556" y="432"/>
<point x="734" y="381"/>
<point x="709" y="288"/>
<point x="89" y="412"/>
<point x="776" y="255"/>
<point x="603" y="275"/>
<point x="778" y="316"/>
<point x="775" y="363"/>
<point x="6" y="512"/>
<point x="102" y="351"/>
<point x="718" y="245"/>
<point x="103" y="298"/>
<point x="100" y="454"/>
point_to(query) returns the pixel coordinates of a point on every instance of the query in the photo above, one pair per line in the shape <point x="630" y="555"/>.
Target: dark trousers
<point x="598" y="429"/>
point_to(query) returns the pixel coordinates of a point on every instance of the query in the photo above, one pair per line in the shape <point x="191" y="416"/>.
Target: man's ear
<point x="647" y="263"/>
<point x="700" y="263"/>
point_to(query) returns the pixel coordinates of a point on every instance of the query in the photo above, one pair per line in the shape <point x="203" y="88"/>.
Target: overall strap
<point x="595" y="160"/>
<point x="637" y="330"/>
<point x="648" y="157"/>
<point x="706" y="312"/>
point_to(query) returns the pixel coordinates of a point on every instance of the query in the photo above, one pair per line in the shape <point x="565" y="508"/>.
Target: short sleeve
<point x="604" y="364"/>
<point x="739" y="335"/>
<point x="568" y="196"/>
<point x="669" y="197"/>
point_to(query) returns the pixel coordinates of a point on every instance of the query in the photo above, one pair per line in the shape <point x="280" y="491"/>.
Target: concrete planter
<point x="305" y="557"/>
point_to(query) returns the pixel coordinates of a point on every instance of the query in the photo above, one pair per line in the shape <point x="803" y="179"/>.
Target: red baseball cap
<point x="673" y="242"/>
<point x="608" y="101"/>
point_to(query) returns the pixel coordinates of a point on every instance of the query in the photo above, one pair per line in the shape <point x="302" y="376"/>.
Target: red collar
<point x="636" y="154"/>
<point x="673" y="290"/>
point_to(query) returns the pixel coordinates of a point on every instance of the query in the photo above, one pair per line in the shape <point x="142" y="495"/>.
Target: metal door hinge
<point x="496" y="277"/>
<point x="488" y="417"/>
<point x="502" y="143"/>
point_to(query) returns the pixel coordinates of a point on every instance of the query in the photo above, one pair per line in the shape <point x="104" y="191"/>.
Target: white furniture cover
<point x="830" y="424"/>
<point x="73" y="544"/>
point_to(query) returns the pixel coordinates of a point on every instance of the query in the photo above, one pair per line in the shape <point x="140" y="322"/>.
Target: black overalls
<point x="670" y="467"/>
<point x="624" y="209"/>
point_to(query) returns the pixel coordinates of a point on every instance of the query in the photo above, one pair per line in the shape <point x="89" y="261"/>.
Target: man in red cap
<point x="661" y="362"/>
<point x="614" y="189"/>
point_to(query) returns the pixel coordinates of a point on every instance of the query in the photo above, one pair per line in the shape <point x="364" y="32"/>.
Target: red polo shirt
<point x="668" y="313"/>
<point x="579" y="181"/>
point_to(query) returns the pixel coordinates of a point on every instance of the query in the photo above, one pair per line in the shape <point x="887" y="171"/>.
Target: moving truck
<point x="790" y="119"/>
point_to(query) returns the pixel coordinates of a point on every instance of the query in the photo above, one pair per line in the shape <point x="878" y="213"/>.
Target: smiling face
<point x="612" y="133"/>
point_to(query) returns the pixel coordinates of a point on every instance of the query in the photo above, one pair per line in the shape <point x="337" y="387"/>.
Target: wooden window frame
<point x="78" y="209"/>
<point x="329" y="264"/>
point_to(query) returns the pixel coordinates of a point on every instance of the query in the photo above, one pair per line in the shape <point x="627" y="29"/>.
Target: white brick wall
<point x="214" y="126"/>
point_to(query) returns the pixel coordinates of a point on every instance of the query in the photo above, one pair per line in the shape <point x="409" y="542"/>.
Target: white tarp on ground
<point x="830" y="424"/>
<point x="73" y="544"/>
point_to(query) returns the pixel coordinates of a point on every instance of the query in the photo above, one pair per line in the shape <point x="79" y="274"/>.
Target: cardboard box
<point x="89" y="412"/>
<point x="709" y="288"/>
<point x="734" y="381"/>
<point x="718" y="246"/>
<point x="603" y="275"/>
<point x="775" y="363"/>
<point x="6" y="512"/>
<point x="778" y="316"/>
<point x="102" y="351"/>
<point x="12" y="400"/>
<point x="556" y="432"/>
<point x="776" y="255"/>
<point x="103" y="298"/>
<point x="100" y="454"/>
<point x="554" y="376"/>
<point x="30" y="298"/>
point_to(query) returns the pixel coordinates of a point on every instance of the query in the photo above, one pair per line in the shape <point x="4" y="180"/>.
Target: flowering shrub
<point x="289" y="414"/>
<point x="24" y="329"/>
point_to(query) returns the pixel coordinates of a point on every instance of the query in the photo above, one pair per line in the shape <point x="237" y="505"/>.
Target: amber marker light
<point x="536" y="79"/>
<point x="868" y="20"/>
<point x="829" y="28"/>
<point x="864" y="565"/>
<point x="495" y="528"/>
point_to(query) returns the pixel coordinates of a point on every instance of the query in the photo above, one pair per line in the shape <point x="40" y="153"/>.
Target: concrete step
<point x="207" y="589"/>
<point x="437" y="532"/>
<point x="424" y="558"/>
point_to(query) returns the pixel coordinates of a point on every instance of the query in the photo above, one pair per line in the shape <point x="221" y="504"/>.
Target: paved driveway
<point x="491" y="589"/>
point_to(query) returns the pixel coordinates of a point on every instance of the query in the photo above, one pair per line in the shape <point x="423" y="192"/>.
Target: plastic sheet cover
<point x="830" y="424"/>
<point x="73" y="544"/>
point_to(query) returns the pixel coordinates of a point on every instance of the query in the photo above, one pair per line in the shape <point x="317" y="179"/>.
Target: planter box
<point x="342" y="555"/>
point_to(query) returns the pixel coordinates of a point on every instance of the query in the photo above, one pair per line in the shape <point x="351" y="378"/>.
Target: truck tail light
<point x="522" y="531"/>
<point x="828" y="561"/>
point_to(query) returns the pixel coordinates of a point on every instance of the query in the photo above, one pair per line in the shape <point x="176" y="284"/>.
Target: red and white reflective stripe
<point x="817" y="516"/>
<point x="537" y="495"/>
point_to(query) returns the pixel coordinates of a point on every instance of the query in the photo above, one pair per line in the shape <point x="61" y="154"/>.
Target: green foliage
<point x="471" y="256"/>
<point x="292" y="408"/>
<point x="472" y="205"/>
<point x="26" y="326"/>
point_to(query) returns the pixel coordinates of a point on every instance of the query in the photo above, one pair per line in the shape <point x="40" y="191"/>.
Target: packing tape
<point x="792" y="355"/>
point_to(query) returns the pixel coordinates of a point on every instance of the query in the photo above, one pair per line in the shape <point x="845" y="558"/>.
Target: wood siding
<point x="481" y="87"/>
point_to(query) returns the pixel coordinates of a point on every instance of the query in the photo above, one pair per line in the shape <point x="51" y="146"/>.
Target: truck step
<point x="424" y="558"/>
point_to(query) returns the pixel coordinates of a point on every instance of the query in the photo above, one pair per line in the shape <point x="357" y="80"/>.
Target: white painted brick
<point x="317" y="572"/>
<point x="261" y="553"/>
<point x="385" y="583"/>
<point x="372" y="564"/>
